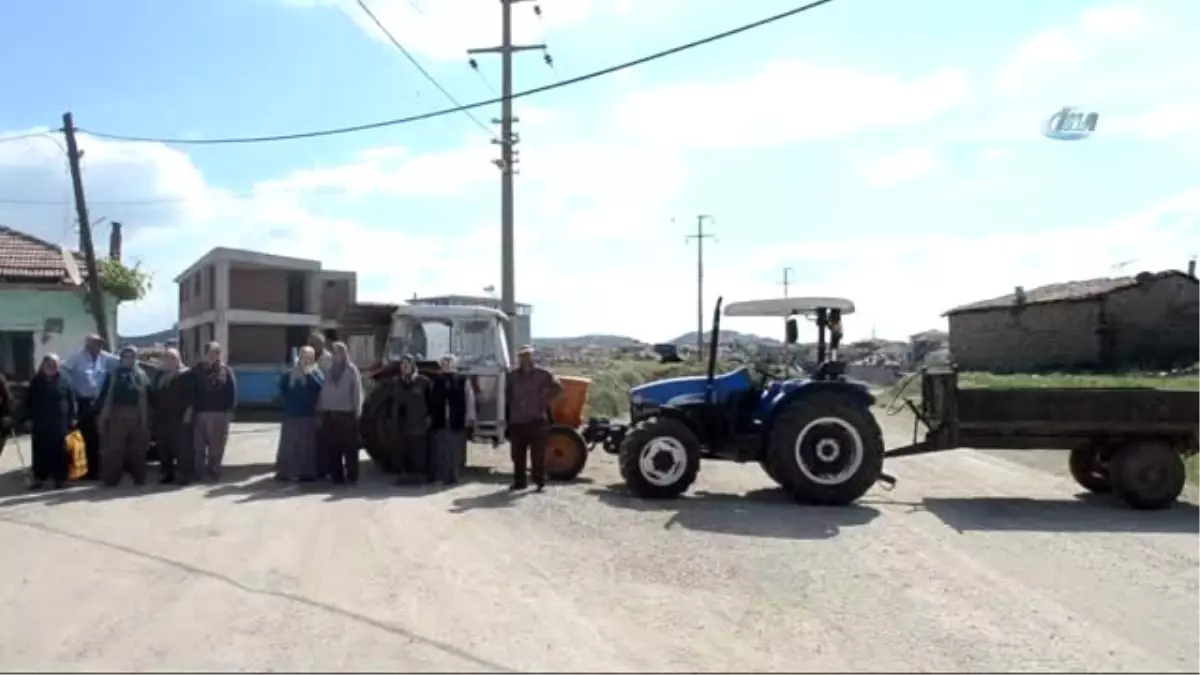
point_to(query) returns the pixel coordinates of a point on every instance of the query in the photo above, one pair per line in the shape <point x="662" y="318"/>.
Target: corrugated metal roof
<point x="1069" y="291"/>
<point x="25" y="258"/>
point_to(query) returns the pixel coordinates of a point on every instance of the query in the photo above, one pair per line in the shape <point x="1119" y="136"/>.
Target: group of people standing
<point x="115" y="405"/>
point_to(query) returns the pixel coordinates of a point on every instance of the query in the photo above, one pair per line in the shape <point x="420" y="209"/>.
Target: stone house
<point x="1149" y="321"/>
<point x="43" y="302"/>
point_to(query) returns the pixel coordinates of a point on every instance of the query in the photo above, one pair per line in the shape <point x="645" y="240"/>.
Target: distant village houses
<point x="1148" y="321"/>
<point x="42" y="307"/>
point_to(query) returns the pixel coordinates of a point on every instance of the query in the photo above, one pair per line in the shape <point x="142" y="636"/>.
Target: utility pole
<point x="507" y="164"/>
<point x="85" y="231"/>
<point x="700" y="236"/>
<point x="786" y="272"/>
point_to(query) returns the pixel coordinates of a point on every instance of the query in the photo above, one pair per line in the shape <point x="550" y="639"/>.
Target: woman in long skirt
<point x="296" y="457"/>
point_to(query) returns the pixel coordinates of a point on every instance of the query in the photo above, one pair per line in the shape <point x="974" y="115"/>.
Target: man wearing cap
<point x="530" y="391"/>
<point x="87" y="370"/>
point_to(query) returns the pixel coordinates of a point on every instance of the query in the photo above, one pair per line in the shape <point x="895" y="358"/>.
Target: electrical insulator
<point x="548" y="59"/>
<point x="474" y="64"/>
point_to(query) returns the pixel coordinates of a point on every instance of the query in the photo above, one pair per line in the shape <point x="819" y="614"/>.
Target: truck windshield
<point x="472" y="341"/>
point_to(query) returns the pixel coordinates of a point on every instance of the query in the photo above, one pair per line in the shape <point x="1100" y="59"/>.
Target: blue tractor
<point x="815" y="436"/>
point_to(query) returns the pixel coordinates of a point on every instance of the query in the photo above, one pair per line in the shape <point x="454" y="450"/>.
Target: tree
<point x="124" y="283"/>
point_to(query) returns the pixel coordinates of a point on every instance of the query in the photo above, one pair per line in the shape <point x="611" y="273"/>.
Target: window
<point x="196" y="284"/>
<point x="212" y="287"/>
<point x="16" y="355"/>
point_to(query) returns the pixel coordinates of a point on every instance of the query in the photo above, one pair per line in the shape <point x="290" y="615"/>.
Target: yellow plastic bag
<point x="77" y="465"/>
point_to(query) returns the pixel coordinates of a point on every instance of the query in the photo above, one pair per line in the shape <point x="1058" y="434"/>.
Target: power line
<point x="21" y="137"/>
<point x="417" y="64"/>
<point x="479" y="104"/>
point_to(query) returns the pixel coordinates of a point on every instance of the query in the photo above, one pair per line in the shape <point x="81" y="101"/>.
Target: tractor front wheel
<point x="659" y="458"/>
<point x="826" y="449"/>
<point x="566" y="453"/>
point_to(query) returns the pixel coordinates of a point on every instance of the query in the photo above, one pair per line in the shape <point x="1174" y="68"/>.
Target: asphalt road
<point x="973" y="563"/>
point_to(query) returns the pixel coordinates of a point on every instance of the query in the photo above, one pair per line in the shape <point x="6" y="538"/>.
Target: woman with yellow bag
<point x="50" y="412"/>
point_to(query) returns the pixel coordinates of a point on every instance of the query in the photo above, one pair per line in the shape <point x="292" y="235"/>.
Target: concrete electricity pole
<point x="786" y="272"/>
<point x="85" y="231"/>
<point x="700" y="236"/>
<point x="507" y="164"/>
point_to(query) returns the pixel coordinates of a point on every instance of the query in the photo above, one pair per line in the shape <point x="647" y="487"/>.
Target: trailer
<point x="1130" y="442"/>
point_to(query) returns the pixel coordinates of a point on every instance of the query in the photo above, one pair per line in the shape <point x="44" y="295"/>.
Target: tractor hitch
<point x="605" y="432"/>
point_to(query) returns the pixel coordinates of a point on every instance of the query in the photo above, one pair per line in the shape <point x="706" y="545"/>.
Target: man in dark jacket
<point x="214" y="398"/>
<point x="170" y="402"/>
<point x="451" y="415"/>
<point x="410" y="395"/>
<point x="124" y="421"/>
<point x="530" y="391"/>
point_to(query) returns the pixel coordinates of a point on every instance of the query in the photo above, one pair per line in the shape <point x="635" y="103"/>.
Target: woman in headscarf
<point x="170" y="402"/>
<point x="124" y="421"/>
<point x="410" y="395"/>
<point x="339" y="406"/>
<point x="50" y="410"/>
<point x="296" y="457"/>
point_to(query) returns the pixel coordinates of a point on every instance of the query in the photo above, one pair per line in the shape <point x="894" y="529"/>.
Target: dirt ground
<point x="973" y="563"/>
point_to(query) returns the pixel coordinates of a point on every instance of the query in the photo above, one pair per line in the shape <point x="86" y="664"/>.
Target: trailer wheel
<point x="1148" y="475"/>
<point x="1090" y="466"/>
<point x="826" y="449"/>
<point x="566" y="453"/>
<point x="659" y="458"/>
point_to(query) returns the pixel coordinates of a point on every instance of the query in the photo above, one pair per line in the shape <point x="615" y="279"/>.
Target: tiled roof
<point x="1069" y="291"/>
<point x="25" y="258"/>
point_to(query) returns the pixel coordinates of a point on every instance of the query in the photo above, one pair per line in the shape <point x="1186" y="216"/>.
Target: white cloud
<point x="899" y="167"/>
<point x="445" y="29"/>
<point x="1160" y="122"/>
<point x="786" y="102"/>
<point x="1054" y="53"/>
<point x="902" y="283"/>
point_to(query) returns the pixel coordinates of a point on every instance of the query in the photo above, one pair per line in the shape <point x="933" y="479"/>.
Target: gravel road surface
<point x="973" y="563"/>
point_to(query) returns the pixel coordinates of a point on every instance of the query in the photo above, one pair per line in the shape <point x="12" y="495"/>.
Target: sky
<point x="888" y="151"/>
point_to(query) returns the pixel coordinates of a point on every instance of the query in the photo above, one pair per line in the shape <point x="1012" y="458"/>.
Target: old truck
<point x="1127" y="441"/>
<point x="378" y="335"/>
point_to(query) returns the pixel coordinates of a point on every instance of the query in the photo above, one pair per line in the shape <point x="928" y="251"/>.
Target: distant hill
<point x="147" y="340"/>
<point x="726" y="337"/>
<point x="582" y="341"/>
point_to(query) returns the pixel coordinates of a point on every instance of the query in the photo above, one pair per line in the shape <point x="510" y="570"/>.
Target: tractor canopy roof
<point x="785" y="307"/>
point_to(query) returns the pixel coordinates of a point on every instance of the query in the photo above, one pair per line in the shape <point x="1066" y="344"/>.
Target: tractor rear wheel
<point x="566" y="453"/>
<point x="659" y="458"/>
<point x="765" y="463"/>
<point x="826" y="449"/>
<point x="1148" y="475"/>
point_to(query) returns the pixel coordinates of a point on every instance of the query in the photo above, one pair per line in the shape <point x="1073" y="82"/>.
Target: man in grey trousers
<point x="214" y="398"/>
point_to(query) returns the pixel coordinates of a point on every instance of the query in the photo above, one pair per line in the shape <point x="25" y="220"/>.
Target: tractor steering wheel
<point x="760" y="368"/>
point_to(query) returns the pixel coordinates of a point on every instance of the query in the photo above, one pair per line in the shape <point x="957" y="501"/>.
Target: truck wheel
<point x="1148" y="475"/>
<point x="659" y="458"/>
<point x="826" y="449"/>
<point x="1090" y="467"/>
<point x="566" y="453"/>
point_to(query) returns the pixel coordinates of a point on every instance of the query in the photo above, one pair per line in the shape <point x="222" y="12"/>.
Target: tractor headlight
<point x="636" y="400"/>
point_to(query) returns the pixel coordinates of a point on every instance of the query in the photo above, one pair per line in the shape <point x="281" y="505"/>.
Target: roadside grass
<point x="608" y="395"/>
